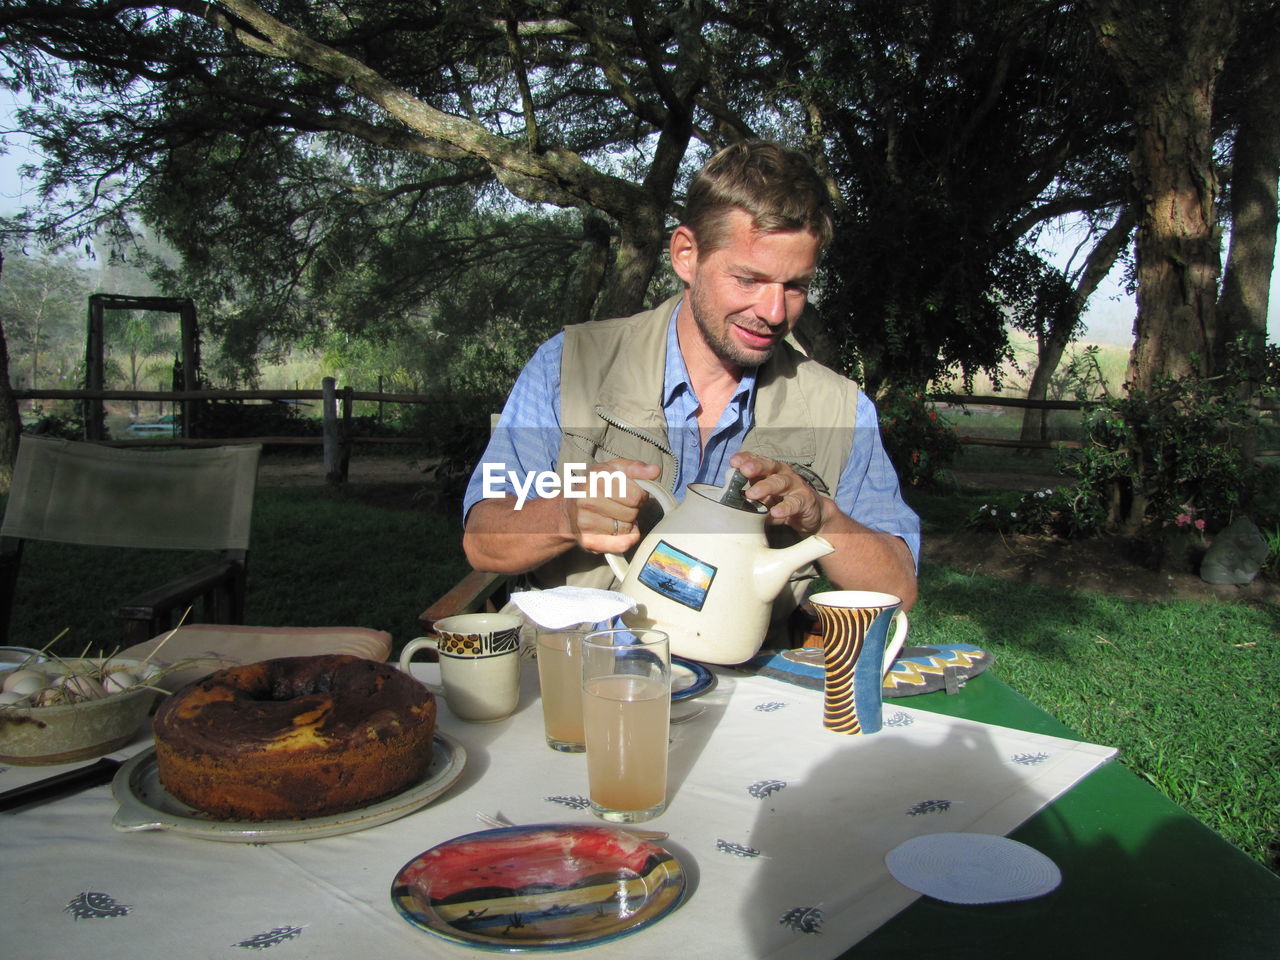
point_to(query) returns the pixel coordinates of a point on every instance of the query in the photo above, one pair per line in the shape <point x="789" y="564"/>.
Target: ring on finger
<point x="616" y="526"/>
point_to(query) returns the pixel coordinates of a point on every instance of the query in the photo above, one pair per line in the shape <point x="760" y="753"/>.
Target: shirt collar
<point x="675" y="377"/>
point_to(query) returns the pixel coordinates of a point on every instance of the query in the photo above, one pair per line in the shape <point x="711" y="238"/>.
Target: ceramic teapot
<point x="706" y="574"/>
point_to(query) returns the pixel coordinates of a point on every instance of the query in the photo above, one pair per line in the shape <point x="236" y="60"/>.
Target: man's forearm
<point x="504" y="535"/>
<point x="866" y="559"/>
<point x="501" y="539"/>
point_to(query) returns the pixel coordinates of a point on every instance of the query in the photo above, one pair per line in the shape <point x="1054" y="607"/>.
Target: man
<point x="708" y="380"/>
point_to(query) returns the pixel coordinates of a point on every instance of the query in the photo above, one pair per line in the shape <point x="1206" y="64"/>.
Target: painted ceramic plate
<point x="146" y="805"/>
<point x="689" y="679"/>
<point x="539" y="886"/>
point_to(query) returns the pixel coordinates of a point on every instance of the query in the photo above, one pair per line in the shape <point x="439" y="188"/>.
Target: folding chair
<point x="92" y="495"/>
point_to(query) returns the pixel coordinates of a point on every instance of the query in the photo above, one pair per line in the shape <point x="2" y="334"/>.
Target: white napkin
<point x="972" y="868"/>
<point x="562" y="607"/>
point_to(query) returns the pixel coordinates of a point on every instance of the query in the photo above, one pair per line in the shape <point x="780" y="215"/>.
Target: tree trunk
<point x="10" y="422"/>
<point x="589" y="273"/>
<point x="1050" y="348"/>
<point x="1049" y="351"/>
<point x="639" y="247"/>
<point x="1255" y="170"/>
<point x="1170" y="57"/>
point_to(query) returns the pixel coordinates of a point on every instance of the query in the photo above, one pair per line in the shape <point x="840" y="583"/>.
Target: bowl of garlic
<point x="61" y="711"/>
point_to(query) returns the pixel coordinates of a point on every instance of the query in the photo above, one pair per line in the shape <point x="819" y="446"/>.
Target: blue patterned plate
<point x="540" y="886"/>
<point x="689" y="679"/>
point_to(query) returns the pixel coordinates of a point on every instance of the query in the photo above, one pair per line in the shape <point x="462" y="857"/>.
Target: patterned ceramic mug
<point x="858" y="653"/>
<point x="479" y="664"/>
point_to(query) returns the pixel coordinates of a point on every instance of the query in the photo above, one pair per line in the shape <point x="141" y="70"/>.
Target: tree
<point x="1250" y="79"/>
<point x="279" y="150"/>
<point x="949" y="132"/>
<point x="142" y="334"/>
<point x="44" y="309"/>
<point x="10" y="422"/>
<point x="494" y="92"/>
<point x="1170" y="56"/>
<point x="946" y="132"/>
<point x="1056" y="310"/>
<point x="319" y="167"/>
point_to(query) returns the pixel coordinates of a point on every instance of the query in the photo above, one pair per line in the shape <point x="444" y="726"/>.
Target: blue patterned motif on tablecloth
<point x="766" y="788"/>
<point x="92" y="905"/>
<point x="925" y="807"/>
<point x="264" y="941"/>
<point x="1029" y="759"/>
<point x="803" y="919"/>
<point x="573" y="803"/>
<point x="737" y="849"/>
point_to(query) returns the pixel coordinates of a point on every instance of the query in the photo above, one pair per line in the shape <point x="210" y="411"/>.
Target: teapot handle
<point x="668" y="503"/>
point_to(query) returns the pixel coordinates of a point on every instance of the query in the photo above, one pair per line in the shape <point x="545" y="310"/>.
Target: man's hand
<point x="608" y="524"/>
<point x="500" y="538"/>
<point x="864" y="559"/>
<point x="790" y="498"/>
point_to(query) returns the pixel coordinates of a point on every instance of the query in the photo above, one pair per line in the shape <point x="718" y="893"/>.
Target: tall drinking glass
<point x="560" y="677"/>
<point x="626" y="713"/>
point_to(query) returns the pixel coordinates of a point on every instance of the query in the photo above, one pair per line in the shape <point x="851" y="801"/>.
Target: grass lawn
<point x="1186" y="691"/>
<point x="318" y="557"/>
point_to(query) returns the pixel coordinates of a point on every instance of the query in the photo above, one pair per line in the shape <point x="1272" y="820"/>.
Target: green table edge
<point x="1141" y="877"/>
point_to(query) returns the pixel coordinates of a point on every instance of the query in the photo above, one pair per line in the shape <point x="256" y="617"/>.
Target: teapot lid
<point x="731" y="493"/>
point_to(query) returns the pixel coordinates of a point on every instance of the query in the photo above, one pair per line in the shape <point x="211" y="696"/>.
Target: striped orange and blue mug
<point x="858" y="652"/>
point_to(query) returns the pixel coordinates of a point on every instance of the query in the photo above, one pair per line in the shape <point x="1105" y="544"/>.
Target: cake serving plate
<point x="146" y="805"/>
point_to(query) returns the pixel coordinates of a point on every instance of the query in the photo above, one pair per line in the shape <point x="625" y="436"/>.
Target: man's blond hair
<point x="776" y="185"/>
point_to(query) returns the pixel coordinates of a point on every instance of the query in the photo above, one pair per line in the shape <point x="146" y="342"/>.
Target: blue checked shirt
<point x="527" y="440"/>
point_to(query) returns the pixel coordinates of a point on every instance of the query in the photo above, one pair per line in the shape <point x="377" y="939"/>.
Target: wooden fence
<point x="1264" y="406"/>
<point x="338" y="437"/>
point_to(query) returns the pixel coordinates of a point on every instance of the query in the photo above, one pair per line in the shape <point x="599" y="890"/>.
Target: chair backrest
<point x="85" y="493"/>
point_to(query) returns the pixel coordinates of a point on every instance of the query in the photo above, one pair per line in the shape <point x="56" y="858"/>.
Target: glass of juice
<point x="560" y="677"/>
<point x="626" y="715"/>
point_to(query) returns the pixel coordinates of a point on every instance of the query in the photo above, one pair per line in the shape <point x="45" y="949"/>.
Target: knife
<point x="60" y="785"/>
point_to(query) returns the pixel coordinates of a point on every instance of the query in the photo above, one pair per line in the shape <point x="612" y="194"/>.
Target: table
<point x="1141" y="878"/>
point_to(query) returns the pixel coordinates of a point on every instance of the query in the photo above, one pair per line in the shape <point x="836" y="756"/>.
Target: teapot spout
<point x="773" y="568"/>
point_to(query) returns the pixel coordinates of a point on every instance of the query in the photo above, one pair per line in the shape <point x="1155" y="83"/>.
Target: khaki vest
<point x="611" y="380"/>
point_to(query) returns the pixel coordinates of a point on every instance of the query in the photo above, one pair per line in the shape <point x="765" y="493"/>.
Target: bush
<point x="66" y="427"/>
<point x="1155" y="456"/>
<point x="1271" y="566"/>
<point x="1060" y="512"/>
<point x="229" y="418"/>
<point x="1152" y="455"/>
<point x="919" y="442"/>
<point x="455" y="430"/>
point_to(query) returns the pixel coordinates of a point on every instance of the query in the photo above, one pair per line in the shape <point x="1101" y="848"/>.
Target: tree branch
<point x="522" y="81"/>
<point x="554" y="175"/>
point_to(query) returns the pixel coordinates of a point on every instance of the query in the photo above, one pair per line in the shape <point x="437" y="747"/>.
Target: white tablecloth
<point x="781" y="826"/>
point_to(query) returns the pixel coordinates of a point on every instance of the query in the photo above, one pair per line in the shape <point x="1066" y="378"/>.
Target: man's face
<point x="749" y="293"/>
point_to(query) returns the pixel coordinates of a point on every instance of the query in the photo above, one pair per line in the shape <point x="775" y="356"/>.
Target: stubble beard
<point x="719" y="339"/>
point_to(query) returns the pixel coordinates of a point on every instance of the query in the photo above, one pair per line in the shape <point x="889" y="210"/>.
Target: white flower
<point x="1013" y="515"/>
<point x="993" y="513"/>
